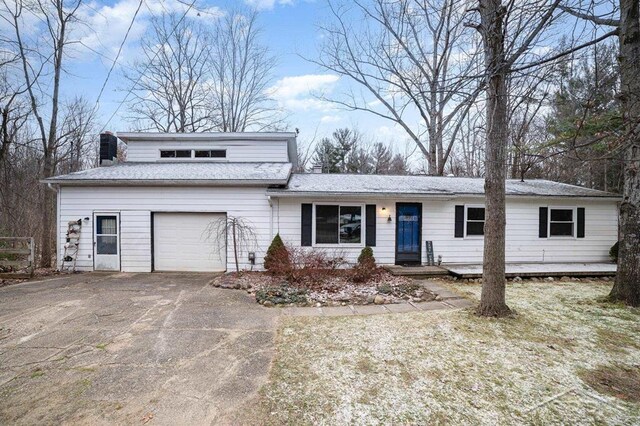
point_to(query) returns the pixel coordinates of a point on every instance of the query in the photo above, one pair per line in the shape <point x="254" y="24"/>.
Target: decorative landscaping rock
<point x="333" y="289"/>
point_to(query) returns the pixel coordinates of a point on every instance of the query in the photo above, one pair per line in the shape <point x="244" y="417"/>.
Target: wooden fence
<point x="17" y="259"/>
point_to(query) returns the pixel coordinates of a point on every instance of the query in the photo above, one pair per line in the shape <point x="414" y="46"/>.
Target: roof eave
<point x="166" y="182"/>
<point x="151" y="137"/>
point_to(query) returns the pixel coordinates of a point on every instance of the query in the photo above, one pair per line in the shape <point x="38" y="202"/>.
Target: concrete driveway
<point x="131" y="348"/>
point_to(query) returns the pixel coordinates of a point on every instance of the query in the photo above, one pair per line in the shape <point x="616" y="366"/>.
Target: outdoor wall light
<point x="86" y="219"/>
<point x="389" y="219"/>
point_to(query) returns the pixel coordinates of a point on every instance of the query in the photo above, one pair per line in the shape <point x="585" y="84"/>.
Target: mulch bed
<point x="620" y="381"/>
<point x="332" y="290"/>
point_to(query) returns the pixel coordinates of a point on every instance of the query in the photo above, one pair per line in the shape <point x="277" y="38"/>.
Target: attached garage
<point x="181" y="243"/>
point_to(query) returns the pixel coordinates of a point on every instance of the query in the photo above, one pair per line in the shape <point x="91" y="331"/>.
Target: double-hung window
<point x="338" y="224"/>
<point x="561" y="222"/>
<point x="474" y="221"/>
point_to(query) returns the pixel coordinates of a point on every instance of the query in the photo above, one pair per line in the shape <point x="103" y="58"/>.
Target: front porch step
<point x="416" y="271"/>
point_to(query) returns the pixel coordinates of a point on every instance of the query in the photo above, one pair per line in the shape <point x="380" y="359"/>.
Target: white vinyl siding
<point x="181" y="243"/>
<point x="236" y="151"/>
<point x="135" y="205"/>
<point x="523" y="244"/>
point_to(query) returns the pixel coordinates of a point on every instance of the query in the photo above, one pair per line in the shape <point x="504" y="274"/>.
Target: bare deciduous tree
<point x="627" y="28"/>
<point x="416" y="62"/>
<point x="503" y="45"/>
<point x="41" y="58"/>
<point x="241" y="73"/>
<point x="169" y="83"/>
<point x="197" y="77"/>
<point x="241" y="231"/>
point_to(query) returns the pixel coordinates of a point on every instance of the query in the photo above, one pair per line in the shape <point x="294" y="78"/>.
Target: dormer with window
<point x="210" y="147"/>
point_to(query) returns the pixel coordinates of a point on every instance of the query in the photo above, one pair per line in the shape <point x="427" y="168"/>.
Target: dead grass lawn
<point x="561" y="360"/>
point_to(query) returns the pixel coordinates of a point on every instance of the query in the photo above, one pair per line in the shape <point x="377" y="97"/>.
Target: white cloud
<point x="301" y="93"/>
<point x="267" y="4"/>
<point x="106" y="25"/>
<point x="292" y="87"/>
<point x="330" y="118"/>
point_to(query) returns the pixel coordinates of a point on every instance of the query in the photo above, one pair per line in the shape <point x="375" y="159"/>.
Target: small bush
<point x="281" y="295"/>
<point x="311" y="267"/>
<point x="366" y="268"/>
<point x="277" y="260"/>
<point x="366" y="257"/>
<point x="613" y="252"/>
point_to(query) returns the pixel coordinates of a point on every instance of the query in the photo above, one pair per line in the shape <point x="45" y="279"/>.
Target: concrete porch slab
<point x="539" y="270"/>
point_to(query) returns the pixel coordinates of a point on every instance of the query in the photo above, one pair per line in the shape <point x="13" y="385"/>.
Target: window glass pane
<point x="561" y="229"/>
<point x="183" y="153"/>
<point x="106" y="225"/>
<point x="350" y="221"/>
<point x="202" y="154"/>
<point x="475" y="213"/>
<point x="106" y="245"/>
<point x="218" y="153"/>
<point x="564" y="215"/>
<point x="167" y="154"/>
<point x="326" y="224"/>
<point x="475" y="228"/>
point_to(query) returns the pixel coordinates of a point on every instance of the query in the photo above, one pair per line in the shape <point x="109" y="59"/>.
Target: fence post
<point x="32" y="256"/>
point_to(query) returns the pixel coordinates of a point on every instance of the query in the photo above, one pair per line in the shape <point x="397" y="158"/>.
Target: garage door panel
<point x="181" y="243"/>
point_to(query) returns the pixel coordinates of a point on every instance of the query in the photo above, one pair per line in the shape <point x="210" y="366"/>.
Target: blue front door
<point x="408" y="233"/>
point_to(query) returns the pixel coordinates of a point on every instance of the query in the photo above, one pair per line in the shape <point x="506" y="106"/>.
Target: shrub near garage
<point x="277" y="260"/>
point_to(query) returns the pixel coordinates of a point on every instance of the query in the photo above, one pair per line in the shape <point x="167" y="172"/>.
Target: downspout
<point x="270" y="218"/>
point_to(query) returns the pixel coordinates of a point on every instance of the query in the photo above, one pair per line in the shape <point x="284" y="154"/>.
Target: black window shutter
<point x="371" y="225"/>
<point x="542" y="222"/>
<point x="459" y="231"/>
<point x="580" y="231"/>
<point x="307" y="217"/>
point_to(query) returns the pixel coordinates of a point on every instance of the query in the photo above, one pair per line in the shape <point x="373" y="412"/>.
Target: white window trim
<point x="363" y="226"/>
<point x="574" y="222"/>
<point x="466" y="208"/>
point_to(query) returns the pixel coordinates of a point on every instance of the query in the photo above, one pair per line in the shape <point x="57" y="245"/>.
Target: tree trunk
<point x="235" y="245"/>
<point x="47" y="222"/>
<point x="627" y="285"/>
<point x="492" y="300"/>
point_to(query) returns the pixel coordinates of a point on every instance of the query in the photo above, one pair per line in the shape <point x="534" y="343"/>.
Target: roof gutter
<point x="317" y="194"/>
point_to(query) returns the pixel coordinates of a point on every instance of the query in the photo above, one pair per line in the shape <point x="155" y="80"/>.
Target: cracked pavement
<point x="162" y="348"/>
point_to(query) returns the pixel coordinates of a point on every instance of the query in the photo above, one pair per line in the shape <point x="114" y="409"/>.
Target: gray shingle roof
<point x="180" y="173"/>
<point x="336" y="184"/>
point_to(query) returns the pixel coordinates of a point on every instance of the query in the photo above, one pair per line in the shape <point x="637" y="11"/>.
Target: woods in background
<point x="541" y="99"/>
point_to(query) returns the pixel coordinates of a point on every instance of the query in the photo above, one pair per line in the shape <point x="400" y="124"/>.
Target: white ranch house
<point x="150" y="212"/>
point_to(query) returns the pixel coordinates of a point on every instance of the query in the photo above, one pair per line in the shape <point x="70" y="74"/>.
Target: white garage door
<point x="180" y="243"/>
